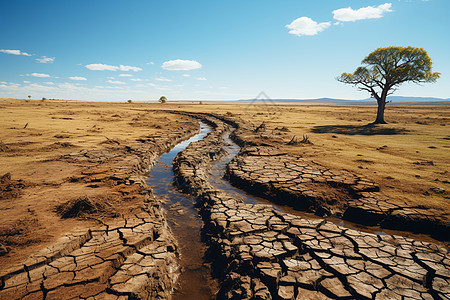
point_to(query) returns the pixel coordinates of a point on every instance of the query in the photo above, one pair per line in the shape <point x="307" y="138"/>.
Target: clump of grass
<point x="85" y="207"/>
<point x="296" y="141"/>
<point x="3" y="147"/>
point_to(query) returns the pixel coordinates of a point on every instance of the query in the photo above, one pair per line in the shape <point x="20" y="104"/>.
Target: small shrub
<point x="304" y="140"/>
<point x="84" y="207"/>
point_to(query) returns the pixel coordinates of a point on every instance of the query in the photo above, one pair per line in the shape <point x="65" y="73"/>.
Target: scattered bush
<point x="85" y="207"/>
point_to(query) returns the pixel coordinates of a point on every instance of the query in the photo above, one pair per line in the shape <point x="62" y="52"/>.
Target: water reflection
<point x="195" y="281"/>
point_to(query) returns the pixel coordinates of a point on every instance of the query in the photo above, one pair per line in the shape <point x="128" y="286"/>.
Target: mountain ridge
<point x="393" y="99"/>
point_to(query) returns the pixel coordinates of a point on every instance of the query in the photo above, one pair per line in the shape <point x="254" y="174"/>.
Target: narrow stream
<point x="217" y="179"/>
<point x="195" y="281"/>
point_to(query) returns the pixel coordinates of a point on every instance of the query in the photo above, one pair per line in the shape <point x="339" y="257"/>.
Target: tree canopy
<point x="387" y="68"/>
<point x="162" y="99"/>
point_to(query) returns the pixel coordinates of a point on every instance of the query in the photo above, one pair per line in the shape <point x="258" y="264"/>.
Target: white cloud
<point x="136" y="79"/>
<point x="125" y="75"/>
<point x="201" y="78"/>
<point x="115" y="82"/>
<point x="129" y="68"/>
<point x="25" y="81"/>
<point x="49" y="83"/>
<point x="306" y="26"/>
<point x="10" y="86"/>
<point x="181" y="65"/>
<point x="45" y="59"/>
<point x="186" y="75"/>
<point x="77" y="78"/>
<point x="67" y="85"/>
<point x="163" y="79"/>
<point x="103" y="67"/>
<point x="14" y="52"/>
<point x="145" y="85"/>
<point x="38" y="75"/>
<point x="369" y="12"/>
<point x="150" y="63"/>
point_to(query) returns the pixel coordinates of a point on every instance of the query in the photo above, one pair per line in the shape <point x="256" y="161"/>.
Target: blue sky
<point x="209" y="50"/>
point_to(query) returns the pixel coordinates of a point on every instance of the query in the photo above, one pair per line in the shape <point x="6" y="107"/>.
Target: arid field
<point x="408" y="157"/>
<point x="56" y="156"/>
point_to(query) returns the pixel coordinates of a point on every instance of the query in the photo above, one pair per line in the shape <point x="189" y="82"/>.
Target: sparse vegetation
<point x="296" y="141"/>
<point x="162" y="99"/>
<point x="85" y="207"/>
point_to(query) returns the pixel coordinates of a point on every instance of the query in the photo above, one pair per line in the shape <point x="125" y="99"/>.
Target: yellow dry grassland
<point x="407" y="157"/>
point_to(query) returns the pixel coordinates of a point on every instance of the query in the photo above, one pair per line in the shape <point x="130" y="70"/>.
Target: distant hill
<point x="415" y="99"/>
<point x="393" y="99"/>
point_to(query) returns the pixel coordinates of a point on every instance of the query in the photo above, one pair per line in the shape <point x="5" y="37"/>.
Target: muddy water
<point x="217" y="179"/>
<point x="195" y="281"/>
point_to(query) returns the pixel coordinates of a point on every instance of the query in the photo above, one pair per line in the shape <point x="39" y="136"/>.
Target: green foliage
<point x="129" y="101"/>
<point x="391" y="66"/>
<point x="387" y="68"/>
<point x="163" y="99"/>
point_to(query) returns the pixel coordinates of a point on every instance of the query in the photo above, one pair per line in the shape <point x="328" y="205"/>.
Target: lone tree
<point x="387" y="68"/>
<point x="163" y="99"/>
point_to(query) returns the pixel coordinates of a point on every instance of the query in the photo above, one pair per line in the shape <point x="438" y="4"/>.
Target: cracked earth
<point x="256" y="251"/>
<point x="261" y="253"/>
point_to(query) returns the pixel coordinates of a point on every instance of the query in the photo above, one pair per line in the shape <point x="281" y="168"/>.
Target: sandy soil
<point x="408" y="157"/>
<point x="39" y="181"/>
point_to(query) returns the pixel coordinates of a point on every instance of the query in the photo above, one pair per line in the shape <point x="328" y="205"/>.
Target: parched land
<point x="74" y="205"/>
<point x="408" y="158"/>
<point x="75" y="209"/>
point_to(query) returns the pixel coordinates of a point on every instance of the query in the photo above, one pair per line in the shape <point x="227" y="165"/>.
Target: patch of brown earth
<point x="93" y="183"/>
<point x="10" y="188"/>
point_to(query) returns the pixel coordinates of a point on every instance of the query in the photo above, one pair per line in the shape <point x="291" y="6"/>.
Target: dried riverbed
<point x="253" y="249"/>
<point x="263" y="253"/>
<point x="195" y="280"/>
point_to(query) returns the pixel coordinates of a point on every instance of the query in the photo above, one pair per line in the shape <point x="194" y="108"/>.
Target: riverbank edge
<point x="268" y="274"/>
<point x="31" y="278"/>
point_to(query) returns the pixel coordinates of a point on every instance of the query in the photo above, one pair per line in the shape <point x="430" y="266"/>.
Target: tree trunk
<point x="380" y="111"/>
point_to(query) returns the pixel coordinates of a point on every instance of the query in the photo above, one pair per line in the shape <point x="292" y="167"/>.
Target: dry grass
<point x="85" y="207"/>
<point x="397" y="155"/>
<point x="406" y="157"/>
<point x="34" y="179"/>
